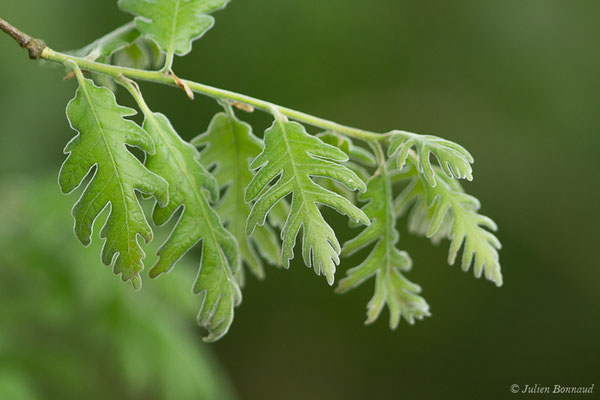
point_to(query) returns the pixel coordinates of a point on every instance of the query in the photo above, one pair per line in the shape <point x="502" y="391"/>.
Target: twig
<point x="38" y="49"/>
<point x="33" y="45"/>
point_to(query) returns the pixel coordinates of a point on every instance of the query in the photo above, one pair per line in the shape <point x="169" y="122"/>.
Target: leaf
<point x="294" y="157"/>
<point x="453" y="159"/>
<point x="173" y="24"/>
<point x="445" y="211"/>
<point x="385" y="262"/>
<point x="141" y="54"/>
<point x="421" y="215"/>
<point x="110" y="43"/>
<point x="190" y="190"/>
<point x="228" y="146"/>
<point x="100" y="144"/>
<point x="357" y="157"/>
<point x="345" y="144"/>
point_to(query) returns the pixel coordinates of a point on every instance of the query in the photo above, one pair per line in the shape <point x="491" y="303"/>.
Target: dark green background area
<point x="517" y="82"/>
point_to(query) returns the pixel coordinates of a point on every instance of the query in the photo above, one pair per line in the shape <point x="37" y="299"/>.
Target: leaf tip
<point x="136" y="281"/>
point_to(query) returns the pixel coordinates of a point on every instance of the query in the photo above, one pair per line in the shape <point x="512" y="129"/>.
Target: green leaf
<point x="191" y="188"/>
<point x="110" y="43"/>
<point x="385" y="262"/>
<point x="293" y="157"/>
<point x="103" y="135"/>
<point x="445" y="211"/>
<point x="141" y="54"/>
<point x="453" y="159"/>
<point x="228" y="146"/>
<point x="345" y="144"/>
<point x="357" y="159"/>
<point x="173" y="24"/>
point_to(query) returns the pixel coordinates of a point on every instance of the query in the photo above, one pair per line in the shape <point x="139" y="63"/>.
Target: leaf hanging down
<point x="228" y="146"/>
<point x="190" y="190"/>
<point x="173" y="24"/>
<point x="446" y="212"/>
<point x="454" y="159"/>
<point x="293" y="156"/>
<point x="103" y="134"/>
<point x="385" y="261"/>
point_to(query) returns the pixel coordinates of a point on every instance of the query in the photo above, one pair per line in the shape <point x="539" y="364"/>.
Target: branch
<point x="34" y="46"/>
<point x="38" y="49"/>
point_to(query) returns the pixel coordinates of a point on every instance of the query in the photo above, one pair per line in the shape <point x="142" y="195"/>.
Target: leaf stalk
<point x="210" y="91"/>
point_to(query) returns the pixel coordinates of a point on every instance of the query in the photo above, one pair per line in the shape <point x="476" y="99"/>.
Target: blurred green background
<point x="516" y="82"/>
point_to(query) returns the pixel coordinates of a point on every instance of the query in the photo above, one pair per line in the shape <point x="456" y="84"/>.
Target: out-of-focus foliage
<point x="70" y="330"/>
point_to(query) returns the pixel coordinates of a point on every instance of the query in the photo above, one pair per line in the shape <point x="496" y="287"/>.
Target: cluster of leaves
<point x="256" y="186"/>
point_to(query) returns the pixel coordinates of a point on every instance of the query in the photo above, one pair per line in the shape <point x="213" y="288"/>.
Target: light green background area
<point x="515" y="82"/>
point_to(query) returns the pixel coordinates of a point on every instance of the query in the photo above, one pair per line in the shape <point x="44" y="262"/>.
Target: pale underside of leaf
<point x="228" y="146"/>
<point x="288" y="163"/>
<point x="385" y="262"/>
<point x="103" y="134"/>
<point x="173" y="24"/>
<point x="191" y="187"/>
<point x="455" y="161"/>
<point x="446" y="212"/>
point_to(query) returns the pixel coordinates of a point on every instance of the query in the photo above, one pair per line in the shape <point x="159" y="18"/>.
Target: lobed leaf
<point x="103" y="134"/>
<point x="385" y="262"/>
<point x="446" y="212"/>
<point x="455" y="161"/>
<point x="228" y="146"/>
<point x="191" y="187"/>
<point x="173" y="24"/>
<point x="288" y="163"/>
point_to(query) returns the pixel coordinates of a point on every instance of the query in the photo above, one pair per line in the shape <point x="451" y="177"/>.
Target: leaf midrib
<point x="294" y="168"/>
<point x="112" y="159"/>
<point x="469" y="226"/>
<point x="239" y="194"/>
<point x="390" y="218"/>
<point x="187" y="176"/>
<point x="174" y="27"/>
